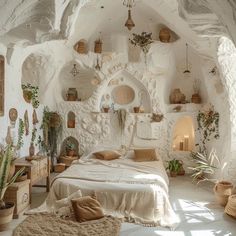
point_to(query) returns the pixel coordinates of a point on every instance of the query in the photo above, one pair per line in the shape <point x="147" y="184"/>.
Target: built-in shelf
<point x="185" y="108"/>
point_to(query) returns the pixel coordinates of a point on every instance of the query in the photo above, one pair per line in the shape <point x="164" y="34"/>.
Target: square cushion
<point x="107" y="155"/>
<point x="146" y="154"/>
<point x="87" y="208"/>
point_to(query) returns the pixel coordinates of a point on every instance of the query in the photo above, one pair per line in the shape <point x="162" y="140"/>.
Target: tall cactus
<point x="6" y="156"/>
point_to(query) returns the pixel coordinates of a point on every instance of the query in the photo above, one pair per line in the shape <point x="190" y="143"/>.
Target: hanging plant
<point x="21" y="130"/>
<point x="143" y="41"/>
<point x="31" y="94"/>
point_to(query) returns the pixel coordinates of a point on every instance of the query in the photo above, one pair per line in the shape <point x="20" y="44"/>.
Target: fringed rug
<point x="52" y="225"/>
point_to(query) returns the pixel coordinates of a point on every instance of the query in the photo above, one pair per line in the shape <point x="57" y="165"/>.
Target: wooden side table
<point x="36" y="170"/>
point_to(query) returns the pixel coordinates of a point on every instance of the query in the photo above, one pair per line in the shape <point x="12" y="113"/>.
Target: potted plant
<point x="31" y="94"/>
<point x="6" y="208"/>
<point x="70" y="148"/>
<point x="143" y="41"/>
<point x="173" y="167"/>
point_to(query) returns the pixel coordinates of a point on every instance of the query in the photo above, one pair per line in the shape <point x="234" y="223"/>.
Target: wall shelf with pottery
<point x="181" y="108"/>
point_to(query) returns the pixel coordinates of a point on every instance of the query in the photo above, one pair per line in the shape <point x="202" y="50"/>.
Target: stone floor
<point x="198" y="212"/>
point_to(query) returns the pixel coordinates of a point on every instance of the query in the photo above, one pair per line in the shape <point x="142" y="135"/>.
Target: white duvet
<point x="137" y="191"/>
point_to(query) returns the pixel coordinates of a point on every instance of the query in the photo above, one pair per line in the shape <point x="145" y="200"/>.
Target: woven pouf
<point x="222" y="192"/>
<point x="230" y="208"/>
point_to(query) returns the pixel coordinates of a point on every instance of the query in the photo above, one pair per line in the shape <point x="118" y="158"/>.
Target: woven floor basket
<point x="230" y="208"/>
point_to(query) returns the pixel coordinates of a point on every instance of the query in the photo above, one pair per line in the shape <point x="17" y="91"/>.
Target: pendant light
<point x="187" y="71"/>
<point x="98" y="67"/>
<point x="129" y="22"/>
<point x="74" y="70"/>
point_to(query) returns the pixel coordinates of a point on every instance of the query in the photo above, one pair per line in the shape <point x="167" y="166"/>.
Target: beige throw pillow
<point x="87" y="208"/>
<point x="146" y="154"/>
<point x="107" y="155"/>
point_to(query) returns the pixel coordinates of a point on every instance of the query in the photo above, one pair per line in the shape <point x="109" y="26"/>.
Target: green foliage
<point x="208" y="126"/>
<point x="21" y="129"/>
<point x="204" y="165"/>
<point x="70" y="145"/>
<point x="6" y="157"/>
<point x="173" y="165"/>
<point x="33" y="137"/>
<point x="32" y="93"/>
<point x="142" y="40"/>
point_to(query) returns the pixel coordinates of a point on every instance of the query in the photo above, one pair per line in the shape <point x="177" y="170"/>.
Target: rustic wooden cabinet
<point x="37" y="170"/>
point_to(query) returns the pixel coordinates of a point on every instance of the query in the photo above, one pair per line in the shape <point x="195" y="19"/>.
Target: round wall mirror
<point x="123" y="94"/>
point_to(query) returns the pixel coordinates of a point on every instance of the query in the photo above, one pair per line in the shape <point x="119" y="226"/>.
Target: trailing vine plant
<point x="21" y="130"/>
<point x="32" y="94"/>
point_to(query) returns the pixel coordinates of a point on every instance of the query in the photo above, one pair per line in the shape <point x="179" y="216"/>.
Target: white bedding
<point x="137" y="191"/>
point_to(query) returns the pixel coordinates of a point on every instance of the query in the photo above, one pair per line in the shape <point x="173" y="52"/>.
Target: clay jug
<point x="223" y="190"/>
<point x="72" y="94"/>
<point x="177" y="97"/>
<point x="164" y="35"/>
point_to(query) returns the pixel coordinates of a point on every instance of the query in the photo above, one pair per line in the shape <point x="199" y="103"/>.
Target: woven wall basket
<point x="80" y="47"/>
<point x="230" y="208"/>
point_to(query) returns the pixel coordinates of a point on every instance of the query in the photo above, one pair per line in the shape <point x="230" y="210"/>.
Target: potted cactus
<point x="6" y="208"/>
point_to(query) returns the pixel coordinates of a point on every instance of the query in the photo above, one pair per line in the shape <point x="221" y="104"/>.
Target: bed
<point x="136" y="191"/>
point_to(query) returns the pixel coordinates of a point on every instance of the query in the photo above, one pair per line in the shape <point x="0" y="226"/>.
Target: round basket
<point x="80" y="47"/>
<point x="230" y="208"/>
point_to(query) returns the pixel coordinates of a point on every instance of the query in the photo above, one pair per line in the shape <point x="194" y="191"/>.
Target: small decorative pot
<point x="196" y="98"/>
<point x="98" y="46"/>
<point x="173" y="173"/>
<point x="72" y="94"/>
<point x="80" y="47"/>
<point x="176" y="97"/>
<point x="106" y="109"/>
<point x="71" y="124"/>
<point x="136" y="109"/>
<point x="164" y="35"/>
<point x="31" y="150"/>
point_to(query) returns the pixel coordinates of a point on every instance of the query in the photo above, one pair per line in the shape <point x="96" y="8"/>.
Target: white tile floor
<point x="199" y="214"/>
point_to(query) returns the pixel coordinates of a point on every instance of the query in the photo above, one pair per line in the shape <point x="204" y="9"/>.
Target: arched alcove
<point x="69" y="143"/>
<point x="83" y="84"/>
<point x="71" y="120"/>
<point x="183" y="134"/>
<point x="123" y="91"/>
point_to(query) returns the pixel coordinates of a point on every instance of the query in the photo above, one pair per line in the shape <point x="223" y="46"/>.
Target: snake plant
<point x="6" y="156"/>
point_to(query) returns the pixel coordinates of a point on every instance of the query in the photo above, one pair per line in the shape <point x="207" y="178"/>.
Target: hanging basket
<point x="98" y="46"/>
<point x="230" y="208"/>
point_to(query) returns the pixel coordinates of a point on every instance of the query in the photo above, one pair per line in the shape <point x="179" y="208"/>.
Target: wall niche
<point x="183" y="134"/>
<point x="2" y="77"/>
<point x="71" y="120"/>
<point x="69" y="144"/>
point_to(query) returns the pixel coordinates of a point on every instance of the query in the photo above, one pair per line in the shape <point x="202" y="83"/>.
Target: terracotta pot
<point x="173" y="173"/>
<point x="98" y="46"/>
<point x="106" y="109"/>
<point x="27" y="95"/>
<point x="223" y="190"/>
<point x="196" y="98"/>
<point x="80" y="47"/>
<point x="136" y="109"/>
<point x="72" y="94"/>
<point x="177" y="97"/>
<point x="31" y="150"/>
<point x="6" y="216"/>
<point x="71" y="124"/>
<point x="71" y="153"/>
<point x="164" y="35"/>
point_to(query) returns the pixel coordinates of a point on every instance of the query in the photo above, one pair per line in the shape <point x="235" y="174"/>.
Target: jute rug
<point x="52" y="225"/>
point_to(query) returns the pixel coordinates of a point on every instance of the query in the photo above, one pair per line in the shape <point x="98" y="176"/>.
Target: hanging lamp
<point x="74" y="70"/>
<point x="98" y="67"/>
<point x="129" y="22"/>
<point x="187" y="71"/>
